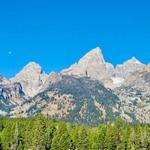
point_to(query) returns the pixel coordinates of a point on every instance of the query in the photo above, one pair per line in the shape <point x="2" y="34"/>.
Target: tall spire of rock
<point x="31" y="78"/>
<point x="94" y="55"/>
<point x="92" y="65"/>
<point x="32" y="66"/>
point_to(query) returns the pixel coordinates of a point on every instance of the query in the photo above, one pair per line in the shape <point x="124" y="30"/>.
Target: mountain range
<point x="90" y="91"/>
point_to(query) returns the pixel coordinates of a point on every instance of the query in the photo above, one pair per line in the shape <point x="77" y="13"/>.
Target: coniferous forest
<point x="41" y="133"/>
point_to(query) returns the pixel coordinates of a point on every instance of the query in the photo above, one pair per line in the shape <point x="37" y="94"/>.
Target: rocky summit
<point x="89" y="91"/>
<point x="31" y="78"/>
<point x="92" y="65"/>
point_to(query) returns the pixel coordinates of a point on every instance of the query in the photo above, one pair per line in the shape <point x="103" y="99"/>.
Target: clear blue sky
<point x="56" y="33"/>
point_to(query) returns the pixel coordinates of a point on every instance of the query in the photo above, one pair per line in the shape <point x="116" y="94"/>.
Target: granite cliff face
<point x="130" y="81"/>
<point x="32" y="78"/>
<point x="92" y="65"/>
<point x="11" y="95"/>
<point x="129" y="67"/>
<point x="75" y="99"/>
<point x="90" y="91"/>
<point x="134" y="94"/>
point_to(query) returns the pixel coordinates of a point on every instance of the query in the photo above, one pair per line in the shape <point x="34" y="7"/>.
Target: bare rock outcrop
<point x="31" y="78"/>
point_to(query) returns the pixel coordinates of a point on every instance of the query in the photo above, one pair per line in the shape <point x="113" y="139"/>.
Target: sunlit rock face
<point x="128" y="67"/>
<point x="11" y="95"/>
<point x="75" y="99"/>
<point x="91" y="90"/>
<point x="92" y="65"/>
<point x="31" y="78"/>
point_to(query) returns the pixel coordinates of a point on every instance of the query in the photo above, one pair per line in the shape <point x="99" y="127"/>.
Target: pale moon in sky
<point x="9" y="53"/>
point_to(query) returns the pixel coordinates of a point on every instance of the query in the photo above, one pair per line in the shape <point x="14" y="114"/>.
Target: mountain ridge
<point x="59" y="94"/>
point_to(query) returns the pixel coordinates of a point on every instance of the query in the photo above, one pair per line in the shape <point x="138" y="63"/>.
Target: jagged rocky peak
<point x="94" y="55"/>
<point x="92" y="65"/>
<point x="128" y="67"/>
<point x="31" y="78"/>
<point x="133" y="60"/>
<point x="32" y="66"/>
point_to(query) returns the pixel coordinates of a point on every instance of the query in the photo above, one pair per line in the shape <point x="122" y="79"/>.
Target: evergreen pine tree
<point x="7" y="135"/>
<point x="50" y="130"/>
<point x="0" y="144"/>
<point x="82" y="141"/>
<point x="29" y="134"/>
<point x="125" y="137"/>
<point x="94" y="143"/>
<point x="131" y="141"/>
<point x="62" y="140"/>
<point x="16" y="138"/>
<point x="102" y="137"/>
<point x="39" y="140"/>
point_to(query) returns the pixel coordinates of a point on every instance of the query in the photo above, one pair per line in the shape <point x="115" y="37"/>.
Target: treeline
<point x="47" y="134"/>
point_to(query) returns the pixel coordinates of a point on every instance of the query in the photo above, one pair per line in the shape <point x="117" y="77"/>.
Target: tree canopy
<point x="42" y="133"/>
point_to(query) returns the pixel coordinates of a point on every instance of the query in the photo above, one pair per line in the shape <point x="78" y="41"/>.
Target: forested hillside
<point x="41" y="133"/>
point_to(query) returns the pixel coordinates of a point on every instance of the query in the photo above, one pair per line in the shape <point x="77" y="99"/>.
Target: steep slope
<point x="134" y="94"/>
<point x="31" y="78"/>
<point x="123" y="71"/>
<point x="92" y="65"/>
<point x="79" y="100"/>
<point x="82" y="92"/>
<point x="127" y="68"/>
<point x="11" y="95"/>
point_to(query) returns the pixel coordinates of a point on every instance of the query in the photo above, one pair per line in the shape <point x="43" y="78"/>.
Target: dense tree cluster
<point x="47" y="134"/>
